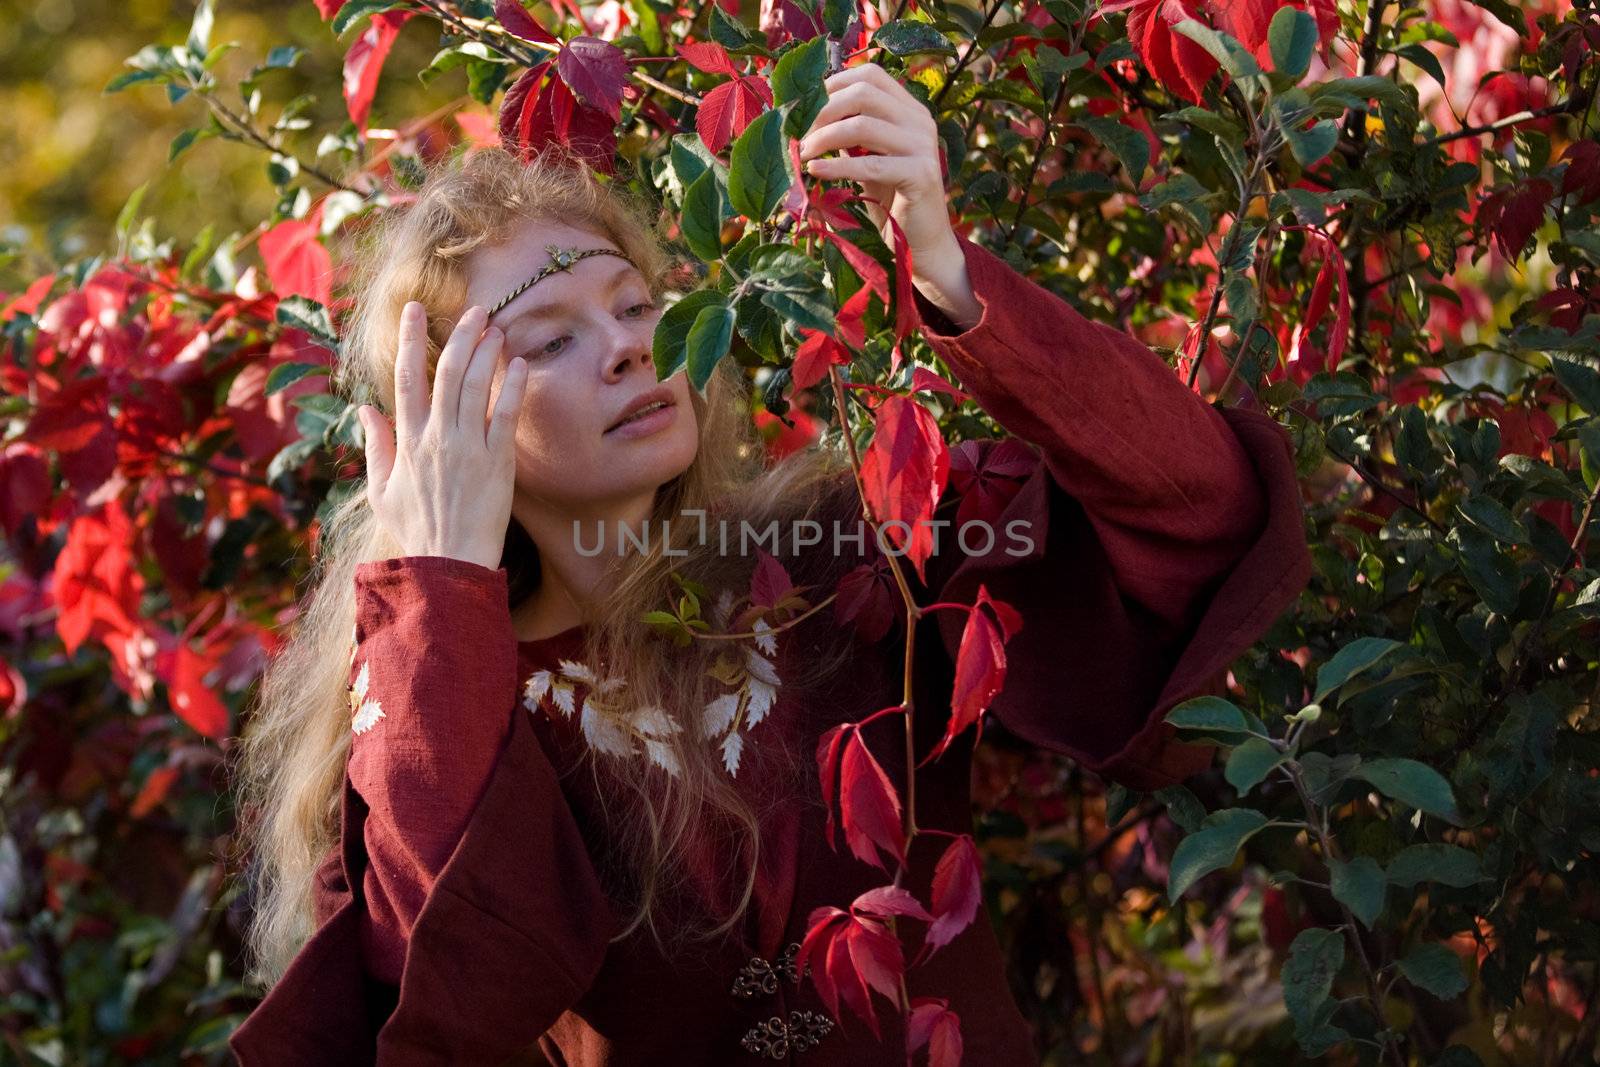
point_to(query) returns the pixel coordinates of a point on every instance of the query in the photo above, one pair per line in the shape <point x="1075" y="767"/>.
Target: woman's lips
<point x="643" y="425"/>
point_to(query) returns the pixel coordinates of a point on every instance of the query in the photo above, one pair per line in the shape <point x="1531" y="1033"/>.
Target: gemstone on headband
<point x="560" y="259"/>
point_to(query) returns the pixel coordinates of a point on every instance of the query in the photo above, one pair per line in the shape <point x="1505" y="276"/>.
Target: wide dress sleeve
<point x="1166" y="534"/>
<point x="460" y="914"/>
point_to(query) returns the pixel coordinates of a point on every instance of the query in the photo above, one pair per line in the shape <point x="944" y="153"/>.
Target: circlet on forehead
<point x="560" y="259"/>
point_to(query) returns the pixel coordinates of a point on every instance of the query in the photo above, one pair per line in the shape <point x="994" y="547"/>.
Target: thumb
<point x="379" y="447"/>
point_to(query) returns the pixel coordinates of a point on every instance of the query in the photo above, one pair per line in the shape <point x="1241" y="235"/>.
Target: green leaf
<point x="1435" y="968"/>
<point x="909" y="37"/>
<point x="734" y="35"/>
<point x="1209" y="713"/>
<point x="1354" y="92"/>
<point x="1291" y="38"/>
<point x="1183" y="807"/>
<point x="691" y="158"/>
<point x="702" y="217"/>
<point x="797" y="77"/>
<point x="1582" y="383"/>
<point x="303" y="313"/>
<point x="707" y="342"/>
<point x="1413" y="783"/>
<point x="1359" y="655"/>
<point x="1449" y="865"/>
<point x="200" y="28"/>
<point x="286" y="374"/>
<point x="672" y="330"/>
<point x="1250" y="763"/>
<point x="1425" y="59"/>
<point x="1494" y="518"/>
<point x="356" y="10"/>
<point x="1310" y="146"/>
<point x="1492" y="573"/>
<point x="1211" y="848"/>
<point x="1225" y="49"/>
<point x="1359" y="885"/>
<point x="758" y="167"/>
<point x="1128" y="143"/>
<point x="791" y="284"/>
<point x="1314" y="960"/>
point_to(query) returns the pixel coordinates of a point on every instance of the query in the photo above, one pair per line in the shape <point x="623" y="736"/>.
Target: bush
<point x="1376" y="222"/>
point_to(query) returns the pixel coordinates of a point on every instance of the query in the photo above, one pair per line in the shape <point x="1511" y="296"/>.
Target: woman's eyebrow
<point x="551" y="310"/>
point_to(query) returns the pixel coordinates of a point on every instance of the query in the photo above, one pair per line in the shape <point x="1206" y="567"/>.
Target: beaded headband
<point x="560" y="259"/>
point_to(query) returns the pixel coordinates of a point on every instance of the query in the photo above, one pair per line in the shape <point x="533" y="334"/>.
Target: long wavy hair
<point x="291" y="759"/>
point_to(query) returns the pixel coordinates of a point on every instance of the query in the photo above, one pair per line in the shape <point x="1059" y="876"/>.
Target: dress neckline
<point x="563" y="639"/>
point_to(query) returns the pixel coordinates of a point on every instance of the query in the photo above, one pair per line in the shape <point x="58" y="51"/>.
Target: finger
<point x="475" y="383"/>
<point x="896" y="172"/>
<point x="411" y="373"/>
<point x="452" y="366"/>
<point x="858" y="98"/>
<point x="508" y="406"/>
<point x="379" y="448"/>
<point x="863" y="131"/>
<point x="861" y="72"/>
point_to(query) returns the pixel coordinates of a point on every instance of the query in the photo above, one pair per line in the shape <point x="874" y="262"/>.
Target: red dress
<point x="461" y="919"/>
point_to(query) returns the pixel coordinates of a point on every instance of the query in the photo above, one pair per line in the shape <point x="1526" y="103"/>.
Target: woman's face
<point x="586" y="335"/>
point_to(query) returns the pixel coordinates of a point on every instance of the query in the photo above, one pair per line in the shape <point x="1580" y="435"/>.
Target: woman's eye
<point x="639" y="309"/>
<point x="554" y="346"/>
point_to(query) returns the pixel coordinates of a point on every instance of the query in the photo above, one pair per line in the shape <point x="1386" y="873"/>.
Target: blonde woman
<point x="495" y="817"/>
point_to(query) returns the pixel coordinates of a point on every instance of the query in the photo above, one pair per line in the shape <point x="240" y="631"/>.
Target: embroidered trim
<point x="607" y="727"/>
<point x="364" y="713"/>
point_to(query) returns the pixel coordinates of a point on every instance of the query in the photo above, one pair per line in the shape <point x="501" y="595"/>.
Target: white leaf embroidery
<point x="765" y="639"/>
<point x="604" y="734"/>
<point x="653" y="721"/>
<point x="732" y="748"/>
<point x="363" y="679"/>
<point x="663" y="756"/>
<point x="762" y="697"/>
<point x="534" y="691"/>
<point x="561" y="693"/>
<point x="720" y="609"/>
<point x="760" y="667"/>
<point x="578" y="672"/>
<point x="719" y="714"/>
<point x="366" y="717"/>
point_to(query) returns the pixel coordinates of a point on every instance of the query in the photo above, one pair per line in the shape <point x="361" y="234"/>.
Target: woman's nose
<point x="627" y="348"/>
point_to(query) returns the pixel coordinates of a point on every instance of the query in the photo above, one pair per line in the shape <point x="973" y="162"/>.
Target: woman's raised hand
<point x="440" y="481"/>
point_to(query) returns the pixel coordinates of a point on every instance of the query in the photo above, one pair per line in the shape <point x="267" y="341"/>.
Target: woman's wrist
<point x="942" y="278"/>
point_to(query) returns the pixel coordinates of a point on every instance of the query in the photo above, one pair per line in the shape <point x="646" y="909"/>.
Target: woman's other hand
<point x="868" y="109"/>
<point x="441" y="480"/>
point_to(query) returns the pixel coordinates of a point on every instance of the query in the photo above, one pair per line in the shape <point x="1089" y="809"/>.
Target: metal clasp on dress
<point x="777" y="1037"/>
<point x="759" y="976"/>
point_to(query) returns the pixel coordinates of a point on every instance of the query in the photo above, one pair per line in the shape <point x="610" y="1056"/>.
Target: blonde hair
<point x="291" y="758"/>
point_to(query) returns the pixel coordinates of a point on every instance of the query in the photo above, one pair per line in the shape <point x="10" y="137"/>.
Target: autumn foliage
<point x="1376" y="222"/>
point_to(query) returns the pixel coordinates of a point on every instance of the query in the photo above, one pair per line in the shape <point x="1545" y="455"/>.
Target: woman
<point x="508" y="823"/>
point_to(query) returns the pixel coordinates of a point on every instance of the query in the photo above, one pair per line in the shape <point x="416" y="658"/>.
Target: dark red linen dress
<point x="461" y="919"/>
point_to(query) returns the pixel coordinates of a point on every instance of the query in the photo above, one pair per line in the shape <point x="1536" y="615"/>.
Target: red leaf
<point x="957" y="891"/>
<point x="849" y="956"/>
<point x="729" y="108"/>
<point x="770" y="582"/>
<point x="515" y="18"/>
<point x="707" y="56"/>
<point x="194" y="701"/>
<point x="870" y="270"/>
<point x="96" y="584"/>
<point x="923" y="378"/>
<point x="887" y="900"/>
<point x="906" y="316"/>
<point x="1321" y="290"/>
<point x="328" y="8"/>
<point x="157" y="784"/>
<point x="987" y="475"/>
<point x="298" y="263"/>
<point x="364" y="62"/>
<point x="842" y="967"/>
<point x="869" y="807"/>
<point x="904" y="471"/>
<point x="877" y="957"/>
<point x="1583" y="170"/>
<point x="851" y="322"/>
<point x="815" y="355"/>
<point x="823" y="925"/>
<point x="867" y="599"/>
<point x="1511" y="214"/>
<point x="539" y="110"/>
<point x="1177" y="62"/>
<point x="932" y="1023"/>
<point x="595" y="70"/>
<point x="980" y="666"/>
<point x="1246" y="20"/>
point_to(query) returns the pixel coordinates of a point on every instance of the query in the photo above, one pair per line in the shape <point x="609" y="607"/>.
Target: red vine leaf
<point x="539" y="110"/>
<point x="596" y="71"/>
<point x="729" y="108"/>
<point x="980" y="666"/>
<point x="515" y="18"/>
<point x="850" y="955"/>
<point x="988" y="476"/>
<point x="769" y="583"/>
<point x="932" y="1023"/>
<point x="957" y="891"/>
<point x="707" y="56"/>
<point x="1177" y="62"/>
<point x="869" y="806"/>
<point x="904" y="471"/>
<point x="887" y="900"/>
<point x="364" y="62"/>
<point x="867" y="599"/>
